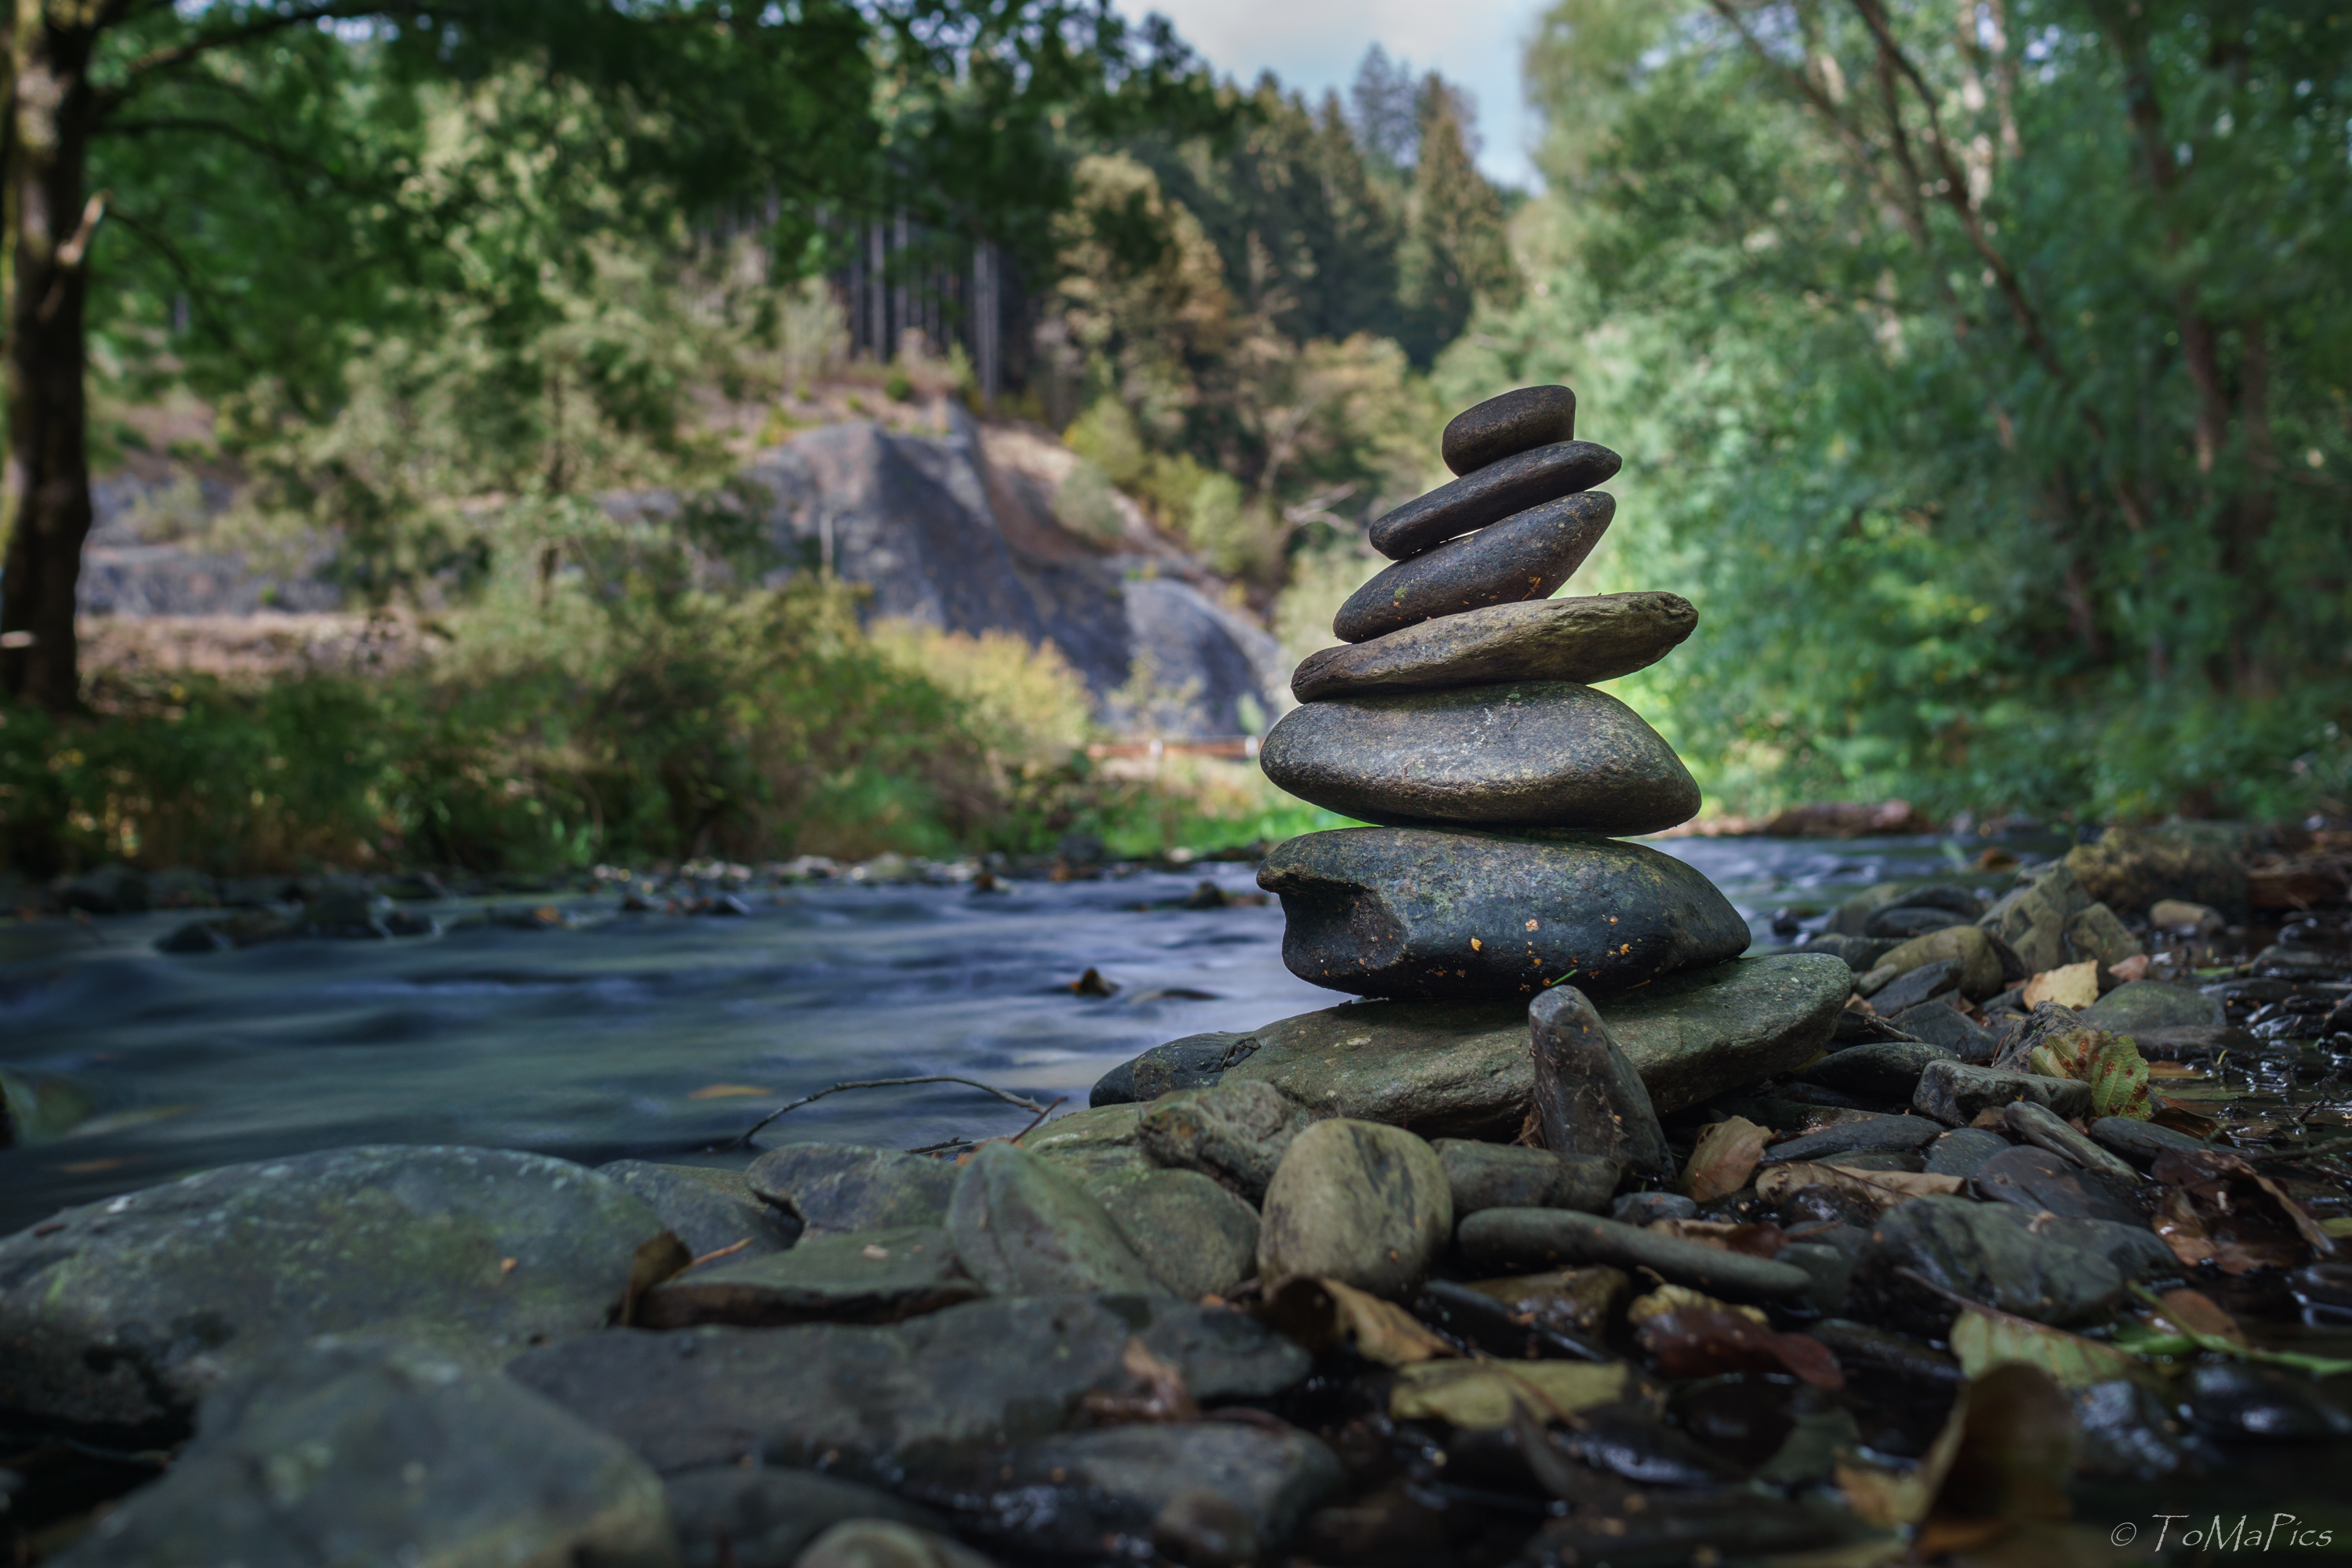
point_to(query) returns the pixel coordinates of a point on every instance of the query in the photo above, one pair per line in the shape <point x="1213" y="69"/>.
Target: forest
<point x="1980" y="372"/>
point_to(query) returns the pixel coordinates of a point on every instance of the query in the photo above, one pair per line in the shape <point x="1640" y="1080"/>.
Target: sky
<point x="1313" y="45"/>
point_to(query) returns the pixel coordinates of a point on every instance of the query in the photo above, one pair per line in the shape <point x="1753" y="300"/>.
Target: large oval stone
<point x="1597" y="636"/>
<point x="1540" y="755"/>
<point x="1493" y="492"/>
<point x="1524" y="556"/>
<point x="1433" y="912"/>
<point x="1354" y="1200"/>
<point x="1503" y="426"/>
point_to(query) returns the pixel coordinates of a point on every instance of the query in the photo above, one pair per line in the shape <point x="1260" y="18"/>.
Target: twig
<point x="745" y="1140"/>
<point x="1041" y="1117"/>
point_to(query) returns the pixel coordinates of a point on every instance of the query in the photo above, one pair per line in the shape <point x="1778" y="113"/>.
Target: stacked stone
<point x="1461" y="716"/>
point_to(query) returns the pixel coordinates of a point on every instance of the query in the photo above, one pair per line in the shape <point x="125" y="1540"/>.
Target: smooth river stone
<point x="1543" y="754"/>
<point x="1506" y="425"/>
<point x="1525" y="556"/>
<point x="1513" y="484"/>
<point x="1598" y="636"/>
<point x="1442" y="913"/>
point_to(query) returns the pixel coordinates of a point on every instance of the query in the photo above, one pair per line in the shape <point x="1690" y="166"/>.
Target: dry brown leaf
<point x="1880" y="1189"/>
<point x="2071" y="986"/>
<point x="1723" y="1158"/>
<point x="1696" y="1342"/>
<point x="2194" y="1313"/>
<point x="1159" y="1393"/>
<point x="1323" y="1314"/>
<point x="1754" y="1240"/>
<point x="1683" y="1298"/>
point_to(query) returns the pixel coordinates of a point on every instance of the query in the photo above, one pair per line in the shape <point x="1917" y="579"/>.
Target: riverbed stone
<point x="706" y="1208"/>
<point x="833" y="1189"/>
<point x="379" y="1452"/>
<point x="1422" y="912"/>
<point x="982" y="1375"/>
<point x="2045" y="1129"/>
<point x="1585" y="639"/>
<point x="1590" y="1100"/>
<point x="1891" y="992"/>
<point x="1236" y="1133"/>
<point x="1022" y="1227"/>
<point x="1502" y="426"/>
<point x="1519" y="1241"/>
<point x="1954" y="1092"/>
<point x="730" y="1517"/>
<point x="1090" y="1144"/>
<point x="1357" y="1202"/>
<point x="1549" y="755"/>
<point x="1863" y="1134"/>
<point x="2032" y="918"/>
<point x="1508" y="486"/>
<point x="2040" y="1182"/>
<point x="2154" y="1005"/>
<point x="1940" y="1024"/>
<point x="1988" y="1253"/>
<point x="885" y="1543"/>
<point x="1963" y="1151"/>
<point x="2129" y="868"/>
<point x="1887" y="1072"/>
<point x="1523" y="557"/>
<point x="865" y="1277"/>
<point x="1969" y="945"/>
<point x="2141" y="1143"/>
<point x="117" y="1316"/>
<point x="1193" y="1062"/>
<point x="2095" y="935"/>
<point x="1483" y="1175"/>
<point x="1196" y="1237"/>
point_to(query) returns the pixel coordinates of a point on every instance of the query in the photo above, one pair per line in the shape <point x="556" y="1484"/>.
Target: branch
<point x="745" y="1140"/>
<point x="276" y="152"/>
<point x="157" y="60"/>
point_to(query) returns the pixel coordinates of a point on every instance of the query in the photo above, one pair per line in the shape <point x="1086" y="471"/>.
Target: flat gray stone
<point x="1941" y="1023"/>
<point x="1887" y="1072"/>
<point x="2141" y="1143"/>
<point x="1395" y="911"/>
<point x="2040" y="1182"/>
<point x="1547" y="754"/>
<point x="982" y="1375"/>
<point x="1197" y="1238"/>
<point x="1962" y="1150"/>
<point x="1860" y="953"/>
<point x="1024" y="1228"/>
<point x="1522" y="557"/>
<point x="867" y="1277"/>
<point x="1236" y="1133"/>
<point x="1452" y="1069"/>
<point x="706" y="1208"/>
<point x="1869" y="1135"/>
<point x="1898" y="992"/>
<point x="1508" y="485"/>
<point x="1504" y="426"/>
<point x="1593" y="637"/>
<point x="730" y="1517"/>
<point x="1522" y="1241"/>
<point x="384" y="1453"/>
<point x="1988" y="1253"/>
<point x="1953" y="1092"/>
<point x="2154" y="1005"/>
<point x="1357" y="1202"/>
<point x="117" y="1316"/>
<point x="833" y="1189"/>
<point x="1590" y="1100"/>
<point x="1093" y="1143"/>
<point x="1505" y="1176"/>
<point x="2097" y="935"/>
<point x="2042" y="1127"/>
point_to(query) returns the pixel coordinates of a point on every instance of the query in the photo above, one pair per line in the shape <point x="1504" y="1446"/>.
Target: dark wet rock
<point x="1912" y="988"/>
<point x="1196" y="1237"/>
<point x="1886" y="1073"/>
<point x="2137" y="1253"/>
<point x="1907" y="922"/>
<point x="120" y="1315"/>
<point x="2032" y="918"/>
<point x="1547" y="754"/>
<point x="1090" y="1144"/>
<point x="2141" y="1143"/>
<point x="730" y="1517"/>
<point x="1862" y="1135"/>
<point x="1884" y="1352"/>
<point x="1024" y="1228"/>
<point x="869" y="1276"/>
<point x="2139" y="1004"/>
<point x="1354" y="1200"/>
<point x="2094" y="935"/>
<point x="1988" y="1253"/>
<point x="2040" y="1182"/>
<point x="706" y="1208"/>
<point x="241" y="929"/>
<point x="1954" y="1092"/>
<point x="2302" y="964"/>
<point x="375" y="1453"/>
<point x="344" y="913"/>
<point x="884" y="1544"/>
<point x="1500" y="492"/>
<point x="1969" y="946"/>
<point x="1503" y="1241"/>
<point x="2124" y="1431"/>
<point x="982" y="1375"/>
<point x="1483" y="1175"/>
<point x="1116" y="1087"/>
<point x="1830" y="1268"/>
<point x="1587" y="639"/>
<point x="1883" y="1160"/>
<point x="1855" y="1027"/>
<point x="833" y="1189"/>
<point x="1808" y="1208"/>
<point x="1860" y="953"/>
<point x="1940" y="1024"/>
<point x="1690" y="1529"/>
<point x="1505" y="425"/>
<point x="1523" y="557"/>
<point x="1464" y="1070"/>
<point x="1962" y="1150"/>
<point x="1233" y="1132"/>
<point x="35" y="1109"/>
<point x="2042" y="1127"/>
<point x="2129" y="868"/>
<point x="1395" y="911"/>
<point x="1195" y="1061"/>
<point x="2231" y="1399"/>
<point x="1648" y="1208"/>
<point x="108" y="890"/>
<point x="1588" y="1097"/>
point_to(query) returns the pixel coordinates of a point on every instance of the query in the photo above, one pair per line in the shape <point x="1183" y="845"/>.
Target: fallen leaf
<point x="2340" y="1225"/>
<point x="1159" y="1393"/>
<point x="1683" y="1298"/>
<point x="1723" y="1158"/>
<point x="727" y="1092"/>
<point x="1322" y="1314"/>
<point x="1982" y="1341"/>
<point x="2109" y="1063"/>
<point x="2072" y="986"/>
<point x="2197" y="1315"/>
<point x="2132" y="968"/>
<point x="2183" y="1119"/>
<point x="1483" y="1393"/>
<point x="1880" y="1189"/>
<point x="2174" y="1069"/>
<point x="2221" y="1210"/>
<point x="1758" y="1240"/>
<point x="1696" y="1342"/>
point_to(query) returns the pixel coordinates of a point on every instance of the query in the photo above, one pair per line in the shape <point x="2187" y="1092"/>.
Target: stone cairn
<point x="1461" y="716"/>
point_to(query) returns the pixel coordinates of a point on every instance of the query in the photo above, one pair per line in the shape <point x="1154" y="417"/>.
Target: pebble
<point x="869" y="1276"/>
<point x="1023" y="1228"/>
<point x="2141" y="1143"/>
<point x="1860" y="953"/>
<point x="1589" y="1097"/>
<point x="1648" y="1208"/>
<point x="1236" y="1133"/>
<point x="835" y="1188"/>
<point x="1366" y="1205"/>
<point x="1446" y="913"/>
<point x="1905" y="990"/>
<point x="1954" y="1092"/>
<point x="1940" y="1024"/>
<point x="1498" y="490"/>
<point x="1483" y="1175"/>
<point x="1830" y="1269"/>
<point x="1525" y="557"/>
<point x="1512" y="1241"/>
<point x="1987" y="1252"/>
<point x="1881" y="1350"/>
<point x="1962" y="1150"/>
<point x="1507" y="425"/>
<point x="728" y="1517"/>
<point x="2039" y="1126"/>
<point x="1888" y="1072"/>
<point x="1584" y="640"/>
<point x="882" y="1543"/>
<point x="1858" y="1136"/>
<point x="2040" y="1182"/>
<point x="1547" y="754"/>
<point x="1197" y="1238"/>
<point x="1967" y="945"/>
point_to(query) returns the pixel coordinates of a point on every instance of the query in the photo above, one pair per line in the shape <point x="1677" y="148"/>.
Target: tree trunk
<point x="45" y="488"/>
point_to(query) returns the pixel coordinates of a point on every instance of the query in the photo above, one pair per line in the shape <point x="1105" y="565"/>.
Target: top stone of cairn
<point x="1501" y="427"/>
